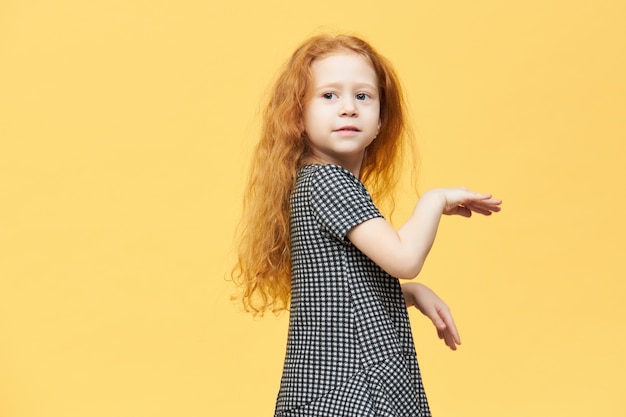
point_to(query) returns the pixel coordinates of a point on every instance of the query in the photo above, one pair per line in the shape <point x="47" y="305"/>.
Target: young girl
<point x="313" y="239"/>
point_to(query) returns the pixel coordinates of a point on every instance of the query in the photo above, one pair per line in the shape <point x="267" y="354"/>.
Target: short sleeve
<point x="340" y="201"/>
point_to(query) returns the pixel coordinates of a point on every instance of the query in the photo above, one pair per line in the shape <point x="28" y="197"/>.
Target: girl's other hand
<point x="463" y="202"/>
<point x="433" y="307"/>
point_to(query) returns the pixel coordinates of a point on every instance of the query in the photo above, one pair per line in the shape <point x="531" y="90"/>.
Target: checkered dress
<point x="350" y="350"/>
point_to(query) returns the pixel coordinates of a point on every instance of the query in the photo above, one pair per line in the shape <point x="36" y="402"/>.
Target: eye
<point x="329" y="96"/>
<point x="362" y="96"/>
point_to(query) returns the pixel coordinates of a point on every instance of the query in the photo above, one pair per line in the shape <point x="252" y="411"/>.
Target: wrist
<point x="435" y="198"/>
<point x="407" y="293"/>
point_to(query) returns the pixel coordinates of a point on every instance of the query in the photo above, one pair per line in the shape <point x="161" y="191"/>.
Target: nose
<point x="348" y="108"/>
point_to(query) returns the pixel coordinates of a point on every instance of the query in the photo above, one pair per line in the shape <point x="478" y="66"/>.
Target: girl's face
<point x="342" y="113"/>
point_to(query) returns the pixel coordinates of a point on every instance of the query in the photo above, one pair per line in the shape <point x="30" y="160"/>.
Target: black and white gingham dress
<point x="350" y="350"/>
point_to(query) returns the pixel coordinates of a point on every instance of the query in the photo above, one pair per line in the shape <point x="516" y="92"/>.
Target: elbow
<point x="406" y="269"/>
<point x="408" y="274"/>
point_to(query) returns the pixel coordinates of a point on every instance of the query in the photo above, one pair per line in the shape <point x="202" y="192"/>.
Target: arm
<point x="402" y="253"/>
<point x="433" y="307"/>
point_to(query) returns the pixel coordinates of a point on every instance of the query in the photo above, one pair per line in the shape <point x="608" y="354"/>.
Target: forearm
<point x="409" y="290"/>
<point x="433" y="307"/>
<point x="402" y="253"/>
<point x="417" y="235"/>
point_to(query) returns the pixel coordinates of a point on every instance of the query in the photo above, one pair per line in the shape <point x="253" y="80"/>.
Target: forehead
<point x="343" y="67"/>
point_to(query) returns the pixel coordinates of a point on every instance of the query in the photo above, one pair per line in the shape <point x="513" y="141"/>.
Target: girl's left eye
<point x="361" y="96"/>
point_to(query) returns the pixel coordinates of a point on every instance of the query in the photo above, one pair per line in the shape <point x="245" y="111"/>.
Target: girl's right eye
<point x="329" y="96"/>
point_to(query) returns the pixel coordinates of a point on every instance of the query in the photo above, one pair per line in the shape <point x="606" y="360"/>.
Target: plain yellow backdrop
<point x="126" y="128"/>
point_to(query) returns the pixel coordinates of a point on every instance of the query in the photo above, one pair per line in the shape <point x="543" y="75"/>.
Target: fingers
<point x="436" y="310"/>
<point x="448" y="338"/>
<point x="446" y="328"/>
<point x="450" y="342"/>
<point x="484" y="207"/>
<point x="463" y="211"/>
<point x="449" y="332"/>
<point x="463" y="202"/>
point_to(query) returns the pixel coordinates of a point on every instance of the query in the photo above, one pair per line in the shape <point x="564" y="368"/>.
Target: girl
<point x="312" y="237"/>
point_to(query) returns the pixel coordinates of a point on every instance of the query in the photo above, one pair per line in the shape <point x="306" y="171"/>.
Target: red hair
<point x="263" y="268"/>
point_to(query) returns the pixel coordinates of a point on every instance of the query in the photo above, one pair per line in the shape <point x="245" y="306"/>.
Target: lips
<point x="348" y="129"/>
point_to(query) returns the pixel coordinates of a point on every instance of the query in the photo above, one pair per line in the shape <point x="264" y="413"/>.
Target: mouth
<point x="348" y="129"/>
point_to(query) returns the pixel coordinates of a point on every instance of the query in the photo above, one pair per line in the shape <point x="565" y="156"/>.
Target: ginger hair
<point x="263" y="269"/>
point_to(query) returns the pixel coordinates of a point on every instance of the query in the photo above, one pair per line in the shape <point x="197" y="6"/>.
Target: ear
<point x="378" y="128"/>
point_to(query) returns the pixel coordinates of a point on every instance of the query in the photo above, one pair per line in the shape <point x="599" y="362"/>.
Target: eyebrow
<point x="339" y="84"/>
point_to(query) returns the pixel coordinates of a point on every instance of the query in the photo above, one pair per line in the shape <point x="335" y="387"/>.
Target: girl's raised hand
<point x="433" y="307"/>
<point x="463" y="202"/>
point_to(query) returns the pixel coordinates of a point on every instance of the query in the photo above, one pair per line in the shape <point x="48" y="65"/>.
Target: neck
<point x="351" y="164"/>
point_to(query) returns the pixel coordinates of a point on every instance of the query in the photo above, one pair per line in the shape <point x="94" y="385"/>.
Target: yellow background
<point x="126" y="127"/>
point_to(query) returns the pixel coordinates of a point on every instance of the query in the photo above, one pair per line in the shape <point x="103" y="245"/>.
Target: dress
<point x="350" y="350"/>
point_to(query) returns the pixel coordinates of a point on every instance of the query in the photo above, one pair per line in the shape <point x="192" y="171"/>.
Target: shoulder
<point x="335" y="170"/>
<point x="330" y="176"/>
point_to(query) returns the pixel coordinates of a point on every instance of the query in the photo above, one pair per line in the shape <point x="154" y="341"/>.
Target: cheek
<point x="310" y="122"/>
<point x="305" y="120"/>
<point x="313" y="116"/>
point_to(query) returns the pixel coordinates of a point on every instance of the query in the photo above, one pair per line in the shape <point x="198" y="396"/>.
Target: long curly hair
<point x="263" y="268"/>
